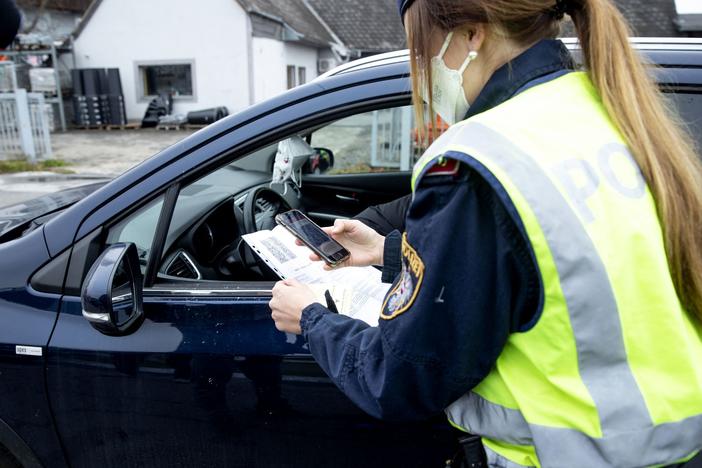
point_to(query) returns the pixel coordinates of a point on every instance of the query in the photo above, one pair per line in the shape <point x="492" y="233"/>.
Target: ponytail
<point x="664" y="152"/>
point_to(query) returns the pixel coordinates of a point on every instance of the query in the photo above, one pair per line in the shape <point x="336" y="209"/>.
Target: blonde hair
<point x="663" y="150"/>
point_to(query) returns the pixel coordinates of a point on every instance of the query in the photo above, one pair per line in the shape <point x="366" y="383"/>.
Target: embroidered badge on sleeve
<point x="402" y="295"/>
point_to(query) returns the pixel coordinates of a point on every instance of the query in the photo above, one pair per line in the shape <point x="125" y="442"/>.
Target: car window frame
<point x="168" y="207"/>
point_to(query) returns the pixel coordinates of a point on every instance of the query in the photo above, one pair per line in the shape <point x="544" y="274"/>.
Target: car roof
<point x="645" y="44"/>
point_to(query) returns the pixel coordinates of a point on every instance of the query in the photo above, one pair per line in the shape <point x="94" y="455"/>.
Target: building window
<point x="174" y="78"/>
<point x="301" y="75"/>
<point x="291" y="76"/>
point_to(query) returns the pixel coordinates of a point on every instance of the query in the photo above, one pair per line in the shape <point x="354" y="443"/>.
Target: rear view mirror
<point x="111" y="296"/>
<point x="320" y="162"/>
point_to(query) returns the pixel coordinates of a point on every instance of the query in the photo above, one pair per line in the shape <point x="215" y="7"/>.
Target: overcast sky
<point x="689" y="6"/>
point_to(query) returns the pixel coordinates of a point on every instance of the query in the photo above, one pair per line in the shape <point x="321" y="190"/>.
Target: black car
<point x="170" y="357"/>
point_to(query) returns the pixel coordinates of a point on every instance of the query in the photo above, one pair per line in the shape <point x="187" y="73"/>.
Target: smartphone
<point x="313" y="237"/>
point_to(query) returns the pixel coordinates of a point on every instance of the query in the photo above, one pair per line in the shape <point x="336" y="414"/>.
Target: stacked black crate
<point x="97" y="97"/>
<point x="118" y="112"/>
<point x="91" y="90"/>
<point x="103" y="98"/>
<point x="81" y="116"/>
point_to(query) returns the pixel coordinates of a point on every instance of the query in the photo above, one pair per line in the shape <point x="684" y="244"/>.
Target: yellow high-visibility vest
<point x="611" y="373"/>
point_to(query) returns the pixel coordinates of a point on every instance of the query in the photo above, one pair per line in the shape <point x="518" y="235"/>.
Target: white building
<point x="209" y="53"/>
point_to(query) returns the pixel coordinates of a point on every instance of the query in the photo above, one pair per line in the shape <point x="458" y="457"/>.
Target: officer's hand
<point x="364" y="244"/>
<point x="290" y="297"/>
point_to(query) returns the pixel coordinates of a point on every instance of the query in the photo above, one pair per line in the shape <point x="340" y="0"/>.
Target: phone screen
<point x="313" y="235"/>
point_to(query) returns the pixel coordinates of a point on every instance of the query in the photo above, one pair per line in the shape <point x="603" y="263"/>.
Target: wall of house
<point x="271" y="58"/>
<point x="302" y="56"/>
<point x="268" y="68"/>
<point x="122" y="33"/>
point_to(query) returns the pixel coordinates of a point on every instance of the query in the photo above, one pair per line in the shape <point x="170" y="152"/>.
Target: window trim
<point x="205" y="289"/>
<point x="162" y="226"/>
<point x="291" y="76"/>
<point x="140" y="91"/>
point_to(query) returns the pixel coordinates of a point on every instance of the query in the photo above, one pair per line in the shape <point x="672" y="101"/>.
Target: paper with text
<point x="358" y="292"/>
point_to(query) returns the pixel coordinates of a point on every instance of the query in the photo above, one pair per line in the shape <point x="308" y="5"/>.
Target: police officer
<point x="550" y="294"/>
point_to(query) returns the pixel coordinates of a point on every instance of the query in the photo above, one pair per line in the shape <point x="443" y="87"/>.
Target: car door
<point x="205" y="379"/>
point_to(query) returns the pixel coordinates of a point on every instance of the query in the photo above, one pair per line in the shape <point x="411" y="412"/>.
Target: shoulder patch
<point x="403" y="294"/>
<point x="444" y="167"/>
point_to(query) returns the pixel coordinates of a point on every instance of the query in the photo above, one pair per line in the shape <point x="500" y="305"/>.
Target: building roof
<point x="293" y="14"/>
<point x="75" y="6"/>
<point x="650" y="18"/>
<point x="365" y="26"/>
<point x="647" y="18"/>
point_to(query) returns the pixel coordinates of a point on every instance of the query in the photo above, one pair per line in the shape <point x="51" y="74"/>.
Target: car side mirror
<point x="320" y="162"/>
<point x="111" y="297"/>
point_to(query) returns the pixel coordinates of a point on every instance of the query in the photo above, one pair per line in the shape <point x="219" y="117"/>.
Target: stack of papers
<point x="357" y="291"/>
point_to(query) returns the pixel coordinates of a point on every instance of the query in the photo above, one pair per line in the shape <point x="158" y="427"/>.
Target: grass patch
<point x="20" y="165"/>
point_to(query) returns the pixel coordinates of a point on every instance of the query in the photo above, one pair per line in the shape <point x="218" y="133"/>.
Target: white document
<point x="357" y="291"/>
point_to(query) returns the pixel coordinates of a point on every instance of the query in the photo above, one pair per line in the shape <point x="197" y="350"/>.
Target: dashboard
<point x="210" y="246"/>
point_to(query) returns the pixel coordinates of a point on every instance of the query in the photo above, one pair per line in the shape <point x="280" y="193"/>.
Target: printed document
<point x="358" y="292"/>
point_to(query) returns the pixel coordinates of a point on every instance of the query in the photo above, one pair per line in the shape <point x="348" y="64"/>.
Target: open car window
<point x="377" y="141"/>
<point x="203" y="242"/>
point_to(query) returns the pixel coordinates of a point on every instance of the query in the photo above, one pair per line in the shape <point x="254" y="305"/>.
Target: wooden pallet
<point x="127" y="126"/>
<point x="194" y="127"/>
<point x="89" y="127"/>
<point x="168" y="127"/>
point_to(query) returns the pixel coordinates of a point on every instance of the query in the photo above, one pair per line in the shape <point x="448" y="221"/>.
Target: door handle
<point x="345" y="198"/>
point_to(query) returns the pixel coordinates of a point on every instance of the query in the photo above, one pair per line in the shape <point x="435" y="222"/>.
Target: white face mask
<point x="449" y="99"/>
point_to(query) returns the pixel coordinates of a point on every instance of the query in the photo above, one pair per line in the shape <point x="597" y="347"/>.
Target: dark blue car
<point x="134" y="324"/>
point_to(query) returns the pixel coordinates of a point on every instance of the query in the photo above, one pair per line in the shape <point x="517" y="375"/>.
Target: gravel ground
<point x="90" y="154"/>
<point x="101" y="153"/>
<point x="110" y="152"/>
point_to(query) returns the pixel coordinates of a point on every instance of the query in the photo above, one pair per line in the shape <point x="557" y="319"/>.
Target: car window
<point x="376" y="141"/>
<point x="689" y="107"/>
<point x="138" y="228"/>
<point x="205" y="227"/>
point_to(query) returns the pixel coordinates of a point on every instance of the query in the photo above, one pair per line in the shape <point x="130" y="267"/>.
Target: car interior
<point x="356" y="164"/>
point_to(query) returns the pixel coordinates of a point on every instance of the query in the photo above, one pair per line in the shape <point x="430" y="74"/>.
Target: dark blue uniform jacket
<point x="465" y="278"/>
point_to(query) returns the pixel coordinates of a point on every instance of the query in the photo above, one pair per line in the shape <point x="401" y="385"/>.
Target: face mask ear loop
<point x="445" y="47"/>
<point x="472" y="55"/>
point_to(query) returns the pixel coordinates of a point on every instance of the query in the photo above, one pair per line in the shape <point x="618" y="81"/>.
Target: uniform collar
<point x="543" y="58"/>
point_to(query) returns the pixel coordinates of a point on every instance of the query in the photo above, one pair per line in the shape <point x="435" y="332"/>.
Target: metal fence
<point x="8" y="77"/>
<point x="24" y="126"/>
<point x="391" y="138"/>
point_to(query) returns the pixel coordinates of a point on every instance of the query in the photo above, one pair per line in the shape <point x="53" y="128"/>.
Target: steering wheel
<point x="260" y="209"/>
